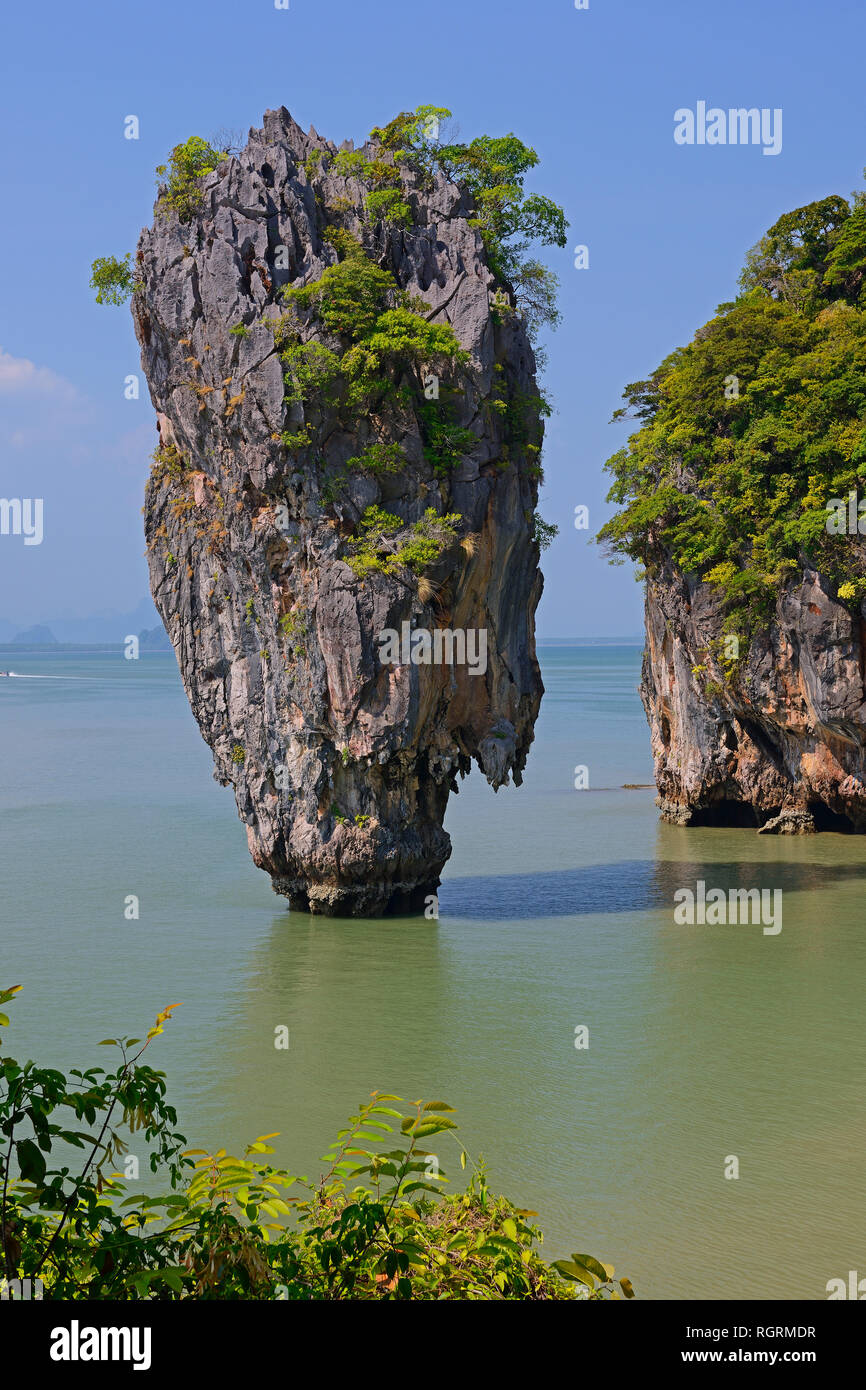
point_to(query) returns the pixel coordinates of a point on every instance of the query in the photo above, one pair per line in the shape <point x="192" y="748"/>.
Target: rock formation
<point x="783" y="746"/>
<point x="262" y="493"/>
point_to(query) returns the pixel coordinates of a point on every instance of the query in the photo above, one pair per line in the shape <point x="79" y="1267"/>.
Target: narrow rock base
<point x="370" y="900"/>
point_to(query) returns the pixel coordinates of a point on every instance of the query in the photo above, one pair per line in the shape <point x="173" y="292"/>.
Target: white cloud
<point x="19" y="377"/>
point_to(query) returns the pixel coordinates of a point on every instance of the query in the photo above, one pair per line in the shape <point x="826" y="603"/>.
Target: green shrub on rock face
<point x="853" y="590"/>
<point x="492" y="170"/>
<point x="385" y="202"/>
<point x="360" y="303"/>
<point x="347" y="297"/>
<point x="428" y="538"/>
<point x="296" y="440"/>
<point x="379" y="458"/>
<point x="295" y="627"/>
<point x="311" y="370"/>
<point x="366" y="548"/>
<point x="345" y="245"/>
<point x="387" y="205"/>
<point x="401" y="339"/>
<point x="349" y="164"/>
<point x="167" y="462"/>
<point x="187" y="164"/>
<point x="414" y="135"/>
<point x="445" y="442"/>
<point x="312" y="164"/>
<point x="373" y="549"/>
<point x="388" y="340"/>
<point x="401" y="334"/>
<point x="113" y="280"/>
<point x="543" y="532"/>
<point x="383" y="173"/>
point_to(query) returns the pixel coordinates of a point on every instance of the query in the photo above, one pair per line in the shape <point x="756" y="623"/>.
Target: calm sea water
<point x="556" y="912"/>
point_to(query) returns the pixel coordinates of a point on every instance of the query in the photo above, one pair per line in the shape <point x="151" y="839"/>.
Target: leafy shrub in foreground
<point x="238" y="1228"/>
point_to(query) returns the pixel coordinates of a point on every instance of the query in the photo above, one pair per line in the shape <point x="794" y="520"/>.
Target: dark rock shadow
<point x="633" y="885"/>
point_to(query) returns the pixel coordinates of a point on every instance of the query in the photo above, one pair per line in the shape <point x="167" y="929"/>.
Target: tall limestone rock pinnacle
<point x="321" y="480"/>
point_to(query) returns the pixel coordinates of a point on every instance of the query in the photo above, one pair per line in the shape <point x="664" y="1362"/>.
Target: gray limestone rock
<point x="776" y="741"/>
<point x="341" y="765"/>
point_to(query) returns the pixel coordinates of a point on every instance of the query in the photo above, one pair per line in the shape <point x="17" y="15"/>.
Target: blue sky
<point x="593" y="91"/>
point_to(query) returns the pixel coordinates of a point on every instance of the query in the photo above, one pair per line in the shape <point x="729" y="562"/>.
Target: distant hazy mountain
<point x="154" y="639"/>
<point x="107" y="626"/>
<point x="36" y="636"/>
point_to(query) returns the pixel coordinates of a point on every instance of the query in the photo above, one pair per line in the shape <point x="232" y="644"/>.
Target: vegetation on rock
<point x="492" y="170"/>
<point x="167" y="462"/>
<point x="187" y="164"/>
<point x="380" y="335"/>
<point x="748" y="432"/>
<point x="387" y="437"/>
<point x="113" y="280"/>
<point x="385" y="544"/>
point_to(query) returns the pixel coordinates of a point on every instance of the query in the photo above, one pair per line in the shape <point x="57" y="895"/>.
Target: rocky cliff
<point x="782" y="745"/>
<point x="302" y="503"/>
<point x="739" y="496"/>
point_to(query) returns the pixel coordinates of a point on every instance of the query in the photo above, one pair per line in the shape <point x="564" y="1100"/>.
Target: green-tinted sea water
<point x="556" y="911"/>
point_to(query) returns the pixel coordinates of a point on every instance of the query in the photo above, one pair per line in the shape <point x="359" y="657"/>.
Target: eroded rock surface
<point x="341" y="765"/>
<point x="780" y="741"/>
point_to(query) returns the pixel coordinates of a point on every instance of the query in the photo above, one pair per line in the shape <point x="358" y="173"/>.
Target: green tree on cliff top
<point x="750" y="430"/>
